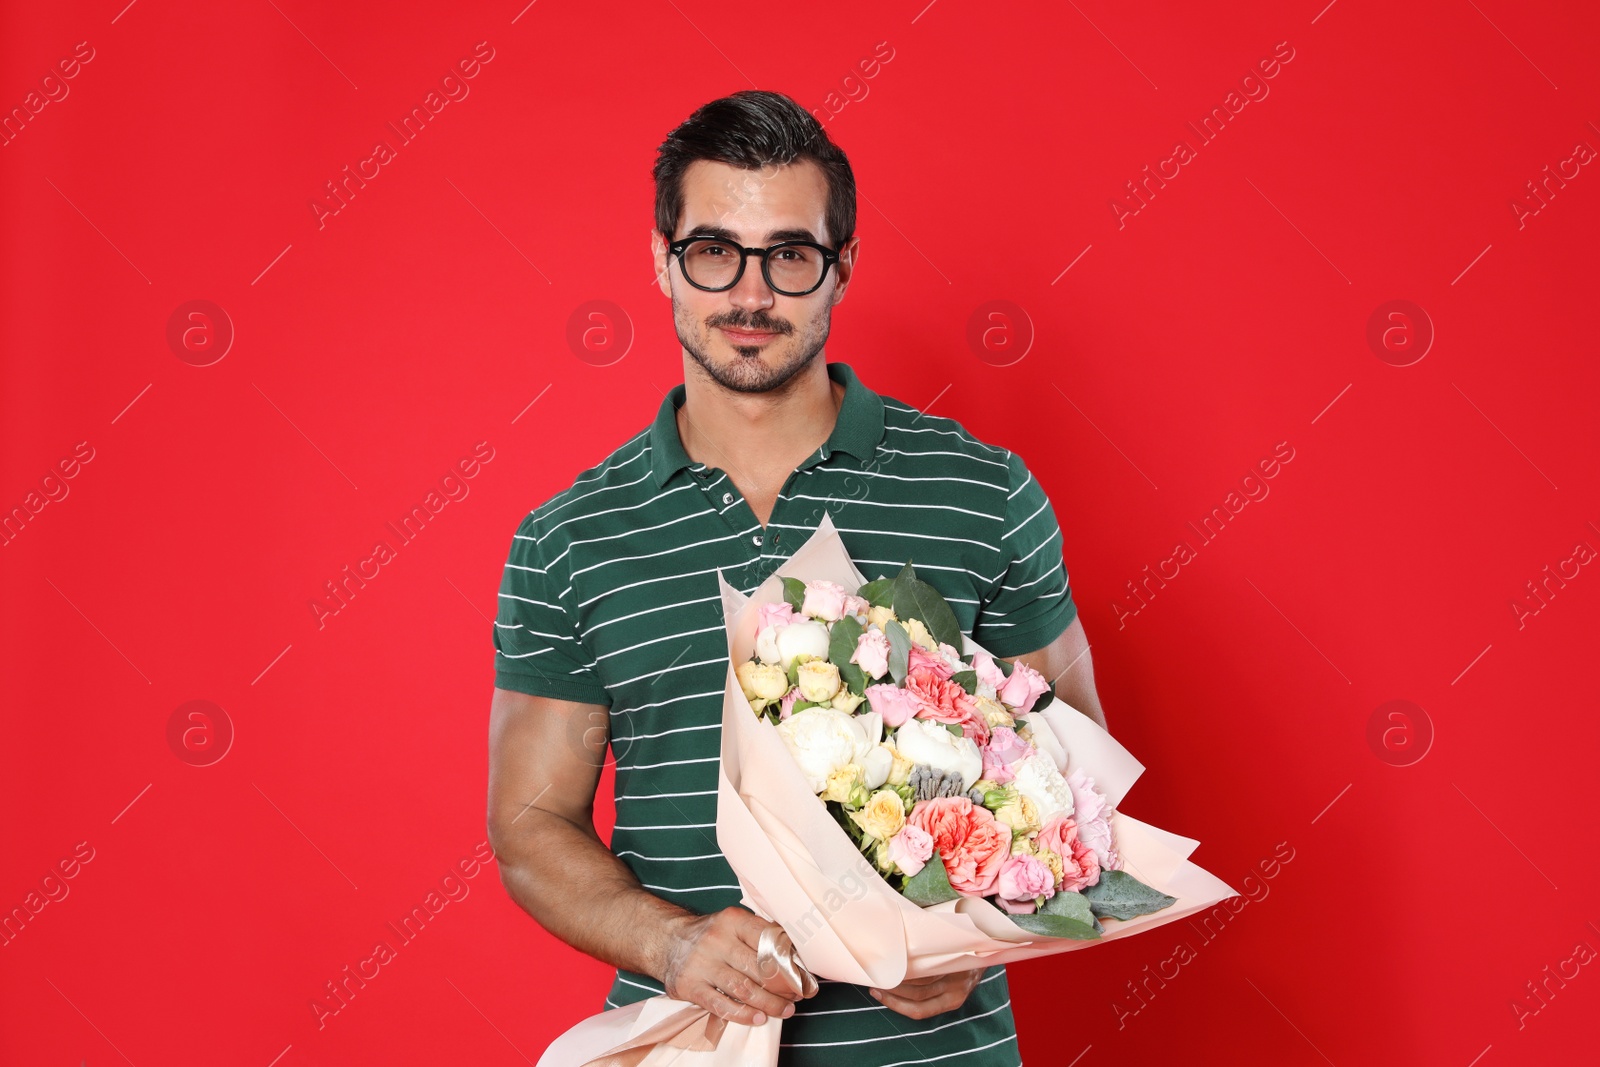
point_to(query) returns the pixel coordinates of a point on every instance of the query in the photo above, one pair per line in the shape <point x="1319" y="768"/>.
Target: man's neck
<point x="757" y="437"/>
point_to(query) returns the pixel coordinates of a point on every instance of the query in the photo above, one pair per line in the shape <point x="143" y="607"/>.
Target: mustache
<point x="759" y="321"/>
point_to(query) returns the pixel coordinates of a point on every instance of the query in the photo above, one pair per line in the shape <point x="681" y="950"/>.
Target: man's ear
<point x="845" y="268"/>
<point x="663" y="261"/>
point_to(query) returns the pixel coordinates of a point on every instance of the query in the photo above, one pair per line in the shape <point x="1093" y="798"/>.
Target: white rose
<point x="823" y="740"/>
<point x="929" y="743"/>
<point x="818" y="680"/>
<point x="1038" y="779"/>
<point x="801" y="639"/>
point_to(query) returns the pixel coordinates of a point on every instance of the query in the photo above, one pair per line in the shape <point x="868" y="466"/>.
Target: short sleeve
<point x="1031" y="603"/>
<point x="536" y="645"/>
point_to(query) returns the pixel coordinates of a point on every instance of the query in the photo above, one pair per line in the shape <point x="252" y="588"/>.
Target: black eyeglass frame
<point x="679" y="247"/>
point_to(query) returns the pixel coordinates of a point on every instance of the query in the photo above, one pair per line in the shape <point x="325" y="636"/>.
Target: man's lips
<point x="747" y="337"/>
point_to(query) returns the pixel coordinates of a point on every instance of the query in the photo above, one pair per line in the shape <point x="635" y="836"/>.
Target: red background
<point x="373" y="352"/>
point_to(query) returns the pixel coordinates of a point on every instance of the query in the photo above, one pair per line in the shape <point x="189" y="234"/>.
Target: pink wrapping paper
<point x="798" y="868"/>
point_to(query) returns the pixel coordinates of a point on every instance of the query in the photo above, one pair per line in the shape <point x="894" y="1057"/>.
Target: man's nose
<point x="752" y="292"/>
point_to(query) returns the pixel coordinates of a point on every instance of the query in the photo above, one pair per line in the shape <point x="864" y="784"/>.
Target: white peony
<point x="800" y="639"/>
<point x="1043" y="737"/>
<point x="877" y="764"/>
<point x="929" y="743"/>
<point x="1038" y="779"/>
<point x="824" y="740"/>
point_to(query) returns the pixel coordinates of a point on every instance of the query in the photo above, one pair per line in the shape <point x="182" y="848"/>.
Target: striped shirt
<point x="609" y="596"/>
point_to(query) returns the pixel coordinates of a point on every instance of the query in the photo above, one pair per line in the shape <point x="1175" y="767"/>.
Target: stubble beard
<point x="754" y="369"/>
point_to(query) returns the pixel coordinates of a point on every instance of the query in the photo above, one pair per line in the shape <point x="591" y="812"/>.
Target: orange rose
<point x="972" y="842"/>
<point x="943" y="700"/>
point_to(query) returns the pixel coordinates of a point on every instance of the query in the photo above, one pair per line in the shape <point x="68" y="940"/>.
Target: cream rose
<point x="882" y="815"/>
<point x="761" y="682"/>
<point x="919" y="635"/>
<point x="818" y="680"/>
<point x="846" y="786"/>
<point x="880" y="616"/>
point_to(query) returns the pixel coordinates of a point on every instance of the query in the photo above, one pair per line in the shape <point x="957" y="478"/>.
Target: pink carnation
<point x="973" y="843"/>
<point x="872" y="653"/>
<point x="1092" y="813"/>
<point x="1004" y="749"/>
<point x="1022" y="879"/>
<point x="856" y="605"/>
<point x="786" y="706"/>
<point x="910" y="848"/>
<point x="1080" y="866"/>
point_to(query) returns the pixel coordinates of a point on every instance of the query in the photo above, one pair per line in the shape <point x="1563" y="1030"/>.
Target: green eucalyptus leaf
<point x="1063" y="915"/>
<point x="899" y="651"/>
<point x="1119" y="895"/>
<point x="931" y="885"/>
<point x="794" y="592"/>
<point x="879" y="592"/>
<point x="842" y="638"/>
<point x="967" y="680"/>
<point x="916" y="599"/>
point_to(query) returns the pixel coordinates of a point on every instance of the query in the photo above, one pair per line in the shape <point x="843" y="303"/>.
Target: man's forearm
<point x="577" y="889"/>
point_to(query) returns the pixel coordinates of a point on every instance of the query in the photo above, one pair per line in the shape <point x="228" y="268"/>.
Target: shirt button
<point x="727" y="498"/>
<point x="755" y="539"/>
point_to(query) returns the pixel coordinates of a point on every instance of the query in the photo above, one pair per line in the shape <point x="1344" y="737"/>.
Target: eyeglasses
<point x="791" y="268"/>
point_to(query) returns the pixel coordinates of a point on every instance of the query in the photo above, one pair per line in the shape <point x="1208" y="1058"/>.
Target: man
<point x="610" y="626"/>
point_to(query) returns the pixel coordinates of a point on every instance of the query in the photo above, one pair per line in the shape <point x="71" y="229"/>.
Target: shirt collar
<point x="857" y="431"/>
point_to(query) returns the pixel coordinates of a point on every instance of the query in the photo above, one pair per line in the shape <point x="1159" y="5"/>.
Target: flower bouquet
<point x="904" y="805"/>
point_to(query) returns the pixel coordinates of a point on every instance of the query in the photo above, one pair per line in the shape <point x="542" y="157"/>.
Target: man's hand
<point x="712" y="962"/>
<point x="919" y="998"/>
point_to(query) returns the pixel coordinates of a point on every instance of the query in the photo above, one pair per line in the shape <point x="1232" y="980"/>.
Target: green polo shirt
<point x="609" y="596"/>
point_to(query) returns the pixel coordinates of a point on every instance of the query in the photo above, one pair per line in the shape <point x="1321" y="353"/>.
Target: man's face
<point x="749" y="338"/>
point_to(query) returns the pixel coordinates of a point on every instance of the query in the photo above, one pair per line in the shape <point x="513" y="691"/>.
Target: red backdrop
<point x="191" y="475"/>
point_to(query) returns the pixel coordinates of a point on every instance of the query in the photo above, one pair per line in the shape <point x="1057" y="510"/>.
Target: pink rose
<point x="910" y="848"/>
<point x="1022" y="879"/>
<point x="943" y="700"/>
<point x="973" y="843"/>
<point x="894" y="704"/>
<point x="1092" y="813"/>
<point x="856" y="605"/>
<point x="1004" y="749"/>
<point x="1023" y="687"/>
<point x="786" y="706"/>
<point x="988" y="671"/>
<point x="777" y="613"/>
<point x="872" y="653"/>
<point x="923" y="660"/>
<point x="824" y="600"/>
<point x="1080" y="866"/>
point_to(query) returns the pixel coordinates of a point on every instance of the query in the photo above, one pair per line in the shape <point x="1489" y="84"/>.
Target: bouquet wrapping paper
<point x="798" y="868"/>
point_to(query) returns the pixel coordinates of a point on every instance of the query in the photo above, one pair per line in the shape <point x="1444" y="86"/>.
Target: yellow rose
<point x="818" y="680"/>
<point x="882" y="816"/>
<point x="762" y="682"/>
<point x="1023" y="846"/>
<point x="846" y="701"/>
<point x="846" y="784"/>
<point x="900" y="773"/>
<point x="994" y="712"/>
<point x="880" y="616"/>
<point x="920" y="636"/>
<point x="1021" y="814"/>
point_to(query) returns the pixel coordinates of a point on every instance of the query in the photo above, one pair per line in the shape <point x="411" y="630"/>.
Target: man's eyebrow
<point x="722" y="233"/>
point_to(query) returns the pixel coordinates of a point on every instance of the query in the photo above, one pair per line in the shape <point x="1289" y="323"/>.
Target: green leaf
<point x="1063" y="915"/>
<point x="899" y="651"/>
<point x="916" y="599"/>
<point x="794" y="672"/>
<point x="794" y="591"/>
<point x="802" y="705"/>
<point x="842" y="638"/>
<point x="967" y="680"/>
<point x="1119" y="895"/>
<point x="878" y="592"/>
<point x="931" y="885"/>
<point x="954" y="729"/>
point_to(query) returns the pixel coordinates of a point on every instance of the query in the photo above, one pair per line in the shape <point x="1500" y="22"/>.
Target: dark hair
<point x="752" y="129"/>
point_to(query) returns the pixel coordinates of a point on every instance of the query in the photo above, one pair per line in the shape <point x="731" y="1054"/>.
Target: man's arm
<point x="545" y="757"/>
<point x="1066" y="663"/>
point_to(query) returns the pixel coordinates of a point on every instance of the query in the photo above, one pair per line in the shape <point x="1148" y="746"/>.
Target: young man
<point x="610" y="625"/>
